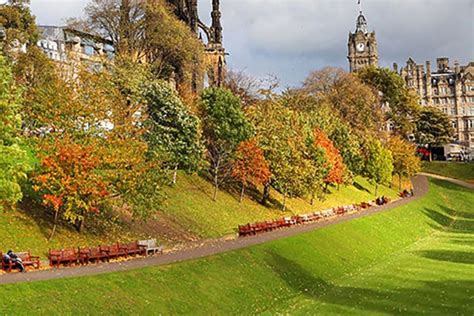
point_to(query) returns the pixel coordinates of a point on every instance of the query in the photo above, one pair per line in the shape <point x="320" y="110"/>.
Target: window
<point x="445" y="110"/>
<point x="88" y="50"/>
<point x="453" y="111"/>
<point x="443" y="101"/>
<point x="454" y="124"/>
<point x="471" y="88"/>
<point x="471" y="99"/>
<point x="435" y="91"/>
<point x="436" y="101"/>
<point x="471" y="110"/>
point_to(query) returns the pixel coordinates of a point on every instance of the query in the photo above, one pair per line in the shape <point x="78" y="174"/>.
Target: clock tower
<point x="362" y="46"/>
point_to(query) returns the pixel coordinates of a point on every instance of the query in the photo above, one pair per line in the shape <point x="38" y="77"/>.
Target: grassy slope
<point x="189" y="204"/>
<point x="456" y="170"/>
<point x="417" y="258"/>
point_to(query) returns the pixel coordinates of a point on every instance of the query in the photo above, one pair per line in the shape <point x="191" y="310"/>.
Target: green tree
<point x="13" y="160"/>
<point x="433" y="128"/>
<point x="403" y="103"/>
<point x="378" y="163"/>
<point x="349" y="147"/>
<point x="172" y="128"/>
<point x="224" y="128"/>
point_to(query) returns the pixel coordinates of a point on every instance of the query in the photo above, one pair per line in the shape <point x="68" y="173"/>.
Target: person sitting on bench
<point x="15" y="259"/>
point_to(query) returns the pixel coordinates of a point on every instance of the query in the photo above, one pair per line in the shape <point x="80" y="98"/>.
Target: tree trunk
<point x="284" y="202"/>
<point x="266" y="194"/>
<point x="376" y="188"/>
<point x="55" y="224"/>
<point x="242" y="193"/>
<point x="175" y="174"/>
<point x="80" y="223"/>
<point x="399" y="182"/>
<point x="216" y="180"/>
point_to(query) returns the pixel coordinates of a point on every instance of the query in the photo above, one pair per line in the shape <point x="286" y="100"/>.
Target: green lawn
<point x="415" y="259"/>
<point x="456" y="170"/>
<point x="188" y="209"/>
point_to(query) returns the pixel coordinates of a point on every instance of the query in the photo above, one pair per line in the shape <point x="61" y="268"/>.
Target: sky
<point x="290" y="38"/>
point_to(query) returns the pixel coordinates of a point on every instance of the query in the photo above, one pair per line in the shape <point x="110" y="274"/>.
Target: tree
<point x="353" y="101"/>
<point x="333" y="159"/>
<point x="13" y="159"/>
<point x="224" y="127"/>
<point x="250" y="166"/>
<point x="349" y="146"/>
<point x="378" y="163"/>
<point x="433" y="128"/>
<point x="148" y="31"/>
<point x="242" y="85"/>
<point x="173" y="129"/>
<point x="69" y="181"/>
<point x="20" y="24"/>
<point x="405" y="161"/>
<point x="403" y="104"/>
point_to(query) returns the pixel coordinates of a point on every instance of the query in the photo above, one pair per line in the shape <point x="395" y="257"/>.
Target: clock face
<point x="360" y="47"/>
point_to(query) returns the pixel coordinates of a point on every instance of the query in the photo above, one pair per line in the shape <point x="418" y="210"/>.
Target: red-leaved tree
<point x="69" y="181"/>
<point x="250" y="166"/>
<point x="333" y="158"/>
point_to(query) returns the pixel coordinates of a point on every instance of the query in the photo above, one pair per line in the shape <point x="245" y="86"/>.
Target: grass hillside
<point x="188" y="214"/>
<point x="415" y="259"/>
<point x="456" y="170"/>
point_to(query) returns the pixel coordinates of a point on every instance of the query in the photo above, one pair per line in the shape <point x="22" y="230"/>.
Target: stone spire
<point x="216" y="27"/>
<point x="361" y="21"/>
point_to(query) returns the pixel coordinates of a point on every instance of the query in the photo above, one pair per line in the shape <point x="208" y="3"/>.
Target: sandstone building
<point x="72" y="48"/>
<point x="451" y="89"/>
<point x="362" y="46"/>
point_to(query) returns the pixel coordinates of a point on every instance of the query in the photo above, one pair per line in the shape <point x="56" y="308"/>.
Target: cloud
<point x="290" y="38"/>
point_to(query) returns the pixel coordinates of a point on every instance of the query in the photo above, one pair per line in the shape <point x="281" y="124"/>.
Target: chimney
<point x="443" y="64"/>
<point x="428" y="67"/>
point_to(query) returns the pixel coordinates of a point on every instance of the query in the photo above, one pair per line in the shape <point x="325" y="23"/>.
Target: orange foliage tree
<point x="333" y="158"/>
<point x="69" y="181"/>
<point x="250" y="167"/>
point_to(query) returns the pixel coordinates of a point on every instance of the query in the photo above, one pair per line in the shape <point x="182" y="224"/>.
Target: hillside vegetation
<point x="414" y="259"/>
<point x="461" y="171"/>
<point x="188" y="214"/>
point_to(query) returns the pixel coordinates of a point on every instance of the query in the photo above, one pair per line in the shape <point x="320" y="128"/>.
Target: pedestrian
<point x="16" y="260"/>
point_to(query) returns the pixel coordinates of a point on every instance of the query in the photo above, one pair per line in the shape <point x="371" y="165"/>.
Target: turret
<point x="216" y="27"/>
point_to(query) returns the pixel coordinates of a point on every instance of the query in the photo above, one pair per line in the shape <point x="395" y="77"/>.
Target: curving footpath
<point x="213" y="247"/>
<point x="455" y="181"/>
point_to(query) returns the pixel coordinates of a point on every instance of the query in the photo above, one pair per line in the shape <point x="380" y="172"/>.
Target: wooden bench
<point x="27" y="259"/>
<point x="63" y="256"/>
<point x="133" y="248"/>
<point x="150" y="246"/>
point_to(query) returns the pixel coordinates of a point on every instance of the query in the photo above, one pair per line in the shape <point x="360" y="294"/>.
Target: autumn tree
<point x="334" y="161"/>
<point x="173" y="130"/>
<point x="405" y="161"/>
<point x="403" y="105"/>
<point x="433" y="128"/>
<point x="243" y="86"/>
<point x="20" y="24"/>
<point x="250" y="166"/>
<point x="353" y="101"/>
<point x="69" y="181"/>
<point x="148" y="31"/>
<point x="13" y="159"/>
<point x="224" y="128"/>
<point x="378" y="163"/>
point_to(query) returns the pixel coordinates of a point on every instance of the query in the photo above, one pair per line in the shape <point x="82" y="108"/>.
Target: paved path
<point x="420" y="184"/>
<point x="455" y="181"/>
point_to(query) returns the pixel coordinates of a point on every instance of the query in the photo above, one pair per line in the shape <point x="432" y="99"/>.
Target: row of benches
<point x="27" y="259"/>
<point x="259" y="227"/>
<point x="102" y="253"/>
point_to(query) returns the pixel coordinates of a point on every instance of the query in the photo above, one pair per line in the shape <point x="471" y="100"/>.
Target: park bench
<point x="150" y="246"/>
<point x="133" y="248"/>
<point x="63" y="256"/>
<point x="27" y="259"/>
